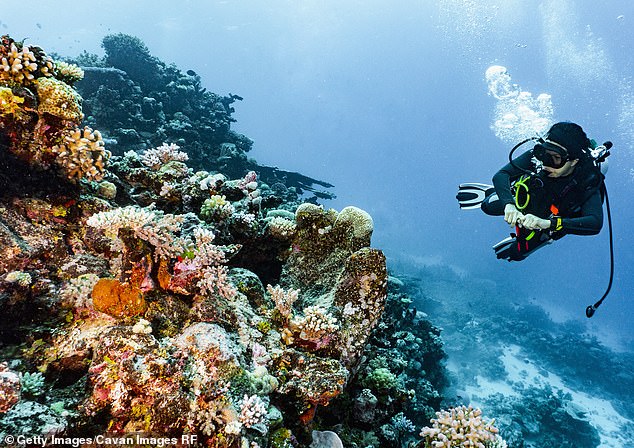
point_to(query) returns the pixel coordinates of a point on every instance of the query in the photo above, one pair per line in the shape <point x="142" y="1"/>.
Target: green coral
<point x="216" y="208"/>
<point x="281" y="438"/>
<point x="32" y="383"/>
<point x="381" y="379"/>
<point x="23" y="279"/>
<point x="264" y="326"/>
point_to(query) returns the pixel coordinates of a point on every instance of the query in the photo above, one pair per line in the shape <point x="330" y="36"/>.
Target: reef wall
<point x="155" y="281"/>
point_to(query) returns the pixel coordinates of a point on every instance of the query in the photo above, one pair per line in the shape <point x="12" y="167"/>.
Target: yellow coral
<point x="69" y="73"/>
<point x="82" y="155"/>
<point x="58" y="99"/>
<point x="10" y="104"/>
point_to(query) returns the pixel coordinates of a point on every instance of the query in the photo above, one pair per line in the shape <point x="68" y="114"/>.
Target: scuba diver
<point x="545" y="193"/>
<point x="552" y="190"/>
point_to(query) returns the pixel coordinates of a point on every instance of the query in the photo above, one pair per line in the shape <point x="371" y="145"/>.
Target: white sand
<point x="522" y="372"/>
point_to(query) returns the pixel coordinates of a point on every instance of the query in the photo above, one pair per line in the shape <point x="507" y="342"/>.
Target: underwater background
<point x="389" y="102"/>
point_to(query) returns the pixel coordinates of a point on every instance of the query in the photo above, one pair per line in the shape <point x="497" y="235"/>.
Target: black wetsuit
<point x="577" y="197"/>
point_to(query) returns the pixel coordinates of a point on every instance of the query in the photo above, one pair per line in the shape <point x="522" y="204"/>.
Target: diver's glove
<point x="512" y="215"/>
<point x="533" y="222"/>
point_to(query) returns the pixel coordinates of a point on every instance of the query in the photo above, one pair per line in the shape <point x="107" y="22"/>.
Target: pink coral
<point x="9" y="388"/>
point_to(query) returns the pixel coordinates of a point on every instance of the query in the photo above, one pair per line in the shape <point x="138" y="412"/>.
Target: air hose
<point x="592" y="308"/>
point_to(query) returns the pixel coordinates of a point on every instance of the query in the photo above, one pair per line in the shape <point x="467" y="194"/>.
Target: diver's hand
<point x="512" y="215"/>
<point x="533" y="222"/>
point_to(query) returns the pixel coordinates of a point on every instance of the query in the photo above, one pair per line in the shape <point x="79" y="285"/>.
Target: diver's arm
<point x="502" y="179"/>
<point x="590" y="221"/>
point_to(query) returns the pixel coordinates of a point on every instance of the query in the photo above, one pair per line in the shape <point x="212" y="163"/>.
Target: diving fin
<point x="506" y="249"/>
<point x="514" y="248"/>
<point x="471" y="195"/>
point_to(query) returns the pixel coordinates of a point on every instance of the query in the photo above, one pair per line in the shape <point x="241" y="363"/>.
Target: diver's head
<point x="562" y="148"/>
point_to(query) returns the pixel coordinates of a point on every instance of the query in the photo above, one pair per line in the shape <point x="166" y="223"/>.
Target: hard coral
<point x="149" y="225"/>
<point x="155" y="158"/>
<point x="69" y="73"/>
<point x="82" y="154"/>
<point x="460" y="427"/>
<point x="316" y="326"/>
<point x="11" y="104"/>
<point x="59" y="99"/>
<point x="283" y="300"/>
<point x="20" y="64"/>
<point x="38" y="113"/>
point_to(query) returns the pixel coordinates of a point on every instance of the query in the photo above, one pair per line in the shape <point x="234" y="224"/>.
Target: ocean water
<point x="390" y="102"/>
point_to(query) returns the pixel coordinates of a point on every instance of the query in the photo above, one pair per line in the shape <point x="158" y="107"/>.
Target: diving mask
<point x="551" y="153"/>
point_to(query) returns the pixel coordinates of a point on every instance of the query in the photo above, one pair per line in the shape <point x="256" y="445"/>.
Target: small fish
<point x="39" y="25"/>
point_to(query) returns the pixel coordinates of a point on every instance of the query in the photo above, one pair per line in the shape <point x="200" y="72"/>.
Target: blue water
<point x="387" y="100"/>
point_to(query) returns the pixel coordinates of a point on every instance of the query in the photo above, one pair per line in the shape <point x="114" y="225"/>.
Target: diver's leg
<point x="492" y="205"/>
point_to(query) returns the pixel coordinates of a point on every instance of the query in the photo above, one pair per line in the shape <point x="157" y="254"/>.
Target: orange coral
<point x="118" y="299"/>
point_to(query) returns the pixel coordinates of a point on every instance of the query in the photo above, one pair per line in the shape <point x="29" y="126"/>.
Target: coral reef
<point x="398" y="382"/>
<point x="140" y="102"/>
<point x="40" y="115"/>
<point x="134" y="283"/>
<point x="543" y="381"/>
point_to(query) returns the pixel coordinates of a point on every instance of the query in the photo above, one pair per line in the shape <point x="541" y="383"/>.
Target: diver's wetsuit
<point x="577" y="196"/>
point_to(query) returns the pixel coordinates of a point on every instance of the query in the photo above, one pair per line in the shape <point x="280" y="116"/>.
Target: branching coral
<point x="460" y="427"/>
<point x="252" y="411"/>
<point x="32" y="383"/>
<point x="281" y="228"/>
<point x="205" y="268"/>
<point x="77" y="291"/>
<point x="21" y="278"/>
<point x="216" y="208"/>
<point x="82" y="154"/>
<point x="283" y="299"/>
<point x="155" y="158"/>
<point x="20" y="65"/>
<point x="316" y="326"/>
<point x="147" y="224"/>
<point x="69" y="73"/>
<point x="39" y="112"/>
